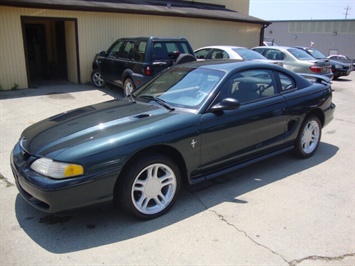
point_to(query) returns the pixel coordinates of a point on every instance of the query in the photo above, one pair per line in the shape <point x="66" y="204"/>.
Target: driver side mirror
<point x="226" y="104"/>
<point x="102" y="53"/>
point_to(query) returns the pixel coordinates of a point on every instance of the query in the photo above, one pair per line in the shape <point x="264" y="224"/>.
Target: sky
<point x="301" y="9"/>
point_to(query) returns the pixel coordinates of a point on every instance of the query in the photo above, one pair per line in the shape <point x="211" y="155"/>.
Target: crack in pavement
<point x="290" y="263"/>
<point x="4" y="182"/>
<point x="221" y="217"/>
<point x="322" y="258"/>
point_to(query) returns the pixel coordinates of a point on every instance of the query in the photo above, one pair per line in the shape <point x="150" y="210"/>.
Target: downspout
<point x="262" y="31"/>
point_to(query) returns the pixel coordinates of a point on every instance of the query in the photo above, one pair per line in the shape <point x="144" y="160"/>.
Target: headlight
<point x="57" y="170"/>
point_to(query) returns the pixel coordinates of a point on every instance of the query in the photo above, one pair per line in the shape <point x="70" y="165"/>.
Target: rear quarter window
<point x="287" y="83"/>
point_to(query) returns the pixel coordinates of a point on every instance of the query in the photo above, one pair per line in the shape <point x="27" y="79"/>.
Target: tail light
<point x="319" y="69"/>
<point x="147" y="71"/>
<point x="316" y="69"/>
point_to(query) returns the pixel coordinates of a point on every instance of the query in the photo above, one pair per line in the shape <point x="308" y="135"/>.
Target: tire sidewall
<point x="129" y="175"/>
<point x="93" y="81"/>
<point x="298" y="150"/>
<point x="126" y="83"/>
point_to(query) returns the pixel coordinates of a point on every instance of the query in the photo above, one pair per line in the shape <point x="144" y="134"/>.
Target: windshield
<point x="180" y="87"/>
<point x="247" y="54"/>
<point x="299" y="54"/>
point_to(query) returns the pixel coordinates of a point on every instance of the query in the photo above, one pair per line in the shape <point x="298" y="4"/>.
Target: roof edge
<point x="187" y="11"/>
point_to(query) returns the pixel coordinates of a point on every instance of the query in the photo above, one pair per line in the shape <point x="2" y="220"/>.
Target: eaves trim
<point x="171" y="10"/>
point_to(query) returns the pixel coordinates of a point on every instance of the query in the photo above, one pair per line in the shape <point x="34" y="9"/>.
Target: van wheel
<point x="128" y="87"/>
<point x="97" y="80"/>
<point x="149" y="186"/>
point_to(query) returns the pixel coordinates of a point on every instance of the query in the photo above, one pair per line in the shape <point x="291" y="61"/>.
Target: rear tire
<point x="308" y="138"/>
<point x="128" y="87"/>
<point x="149" y="186"/>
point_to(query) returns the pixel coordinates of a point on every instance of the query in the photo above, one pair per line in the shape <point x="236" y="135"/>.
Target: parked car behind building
<point x="129" y="62"/>
<point x="296" y="60"/>
<point x="338" y="68"/>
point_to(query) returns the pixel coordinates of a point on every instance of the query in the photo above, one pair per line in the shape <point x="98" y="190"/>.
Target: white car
<point x="229" y="52"/>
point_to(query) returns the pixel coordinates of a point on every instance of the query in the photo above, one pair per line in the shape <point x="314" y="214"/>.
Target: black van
<point x="129" y="62"/>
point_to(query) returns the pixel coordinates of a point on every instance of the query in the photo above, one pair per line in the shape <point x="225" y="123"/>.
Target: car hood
<point x="101" y="123"/>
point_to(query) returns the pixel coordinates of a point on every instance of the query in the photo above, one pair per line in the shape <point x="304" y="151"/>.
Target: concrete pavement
<point x="282" y="211"/>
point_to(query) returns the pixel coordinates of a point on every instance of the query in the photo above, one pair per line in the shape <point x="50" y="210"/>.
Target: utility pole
<point x="346" y="11"/>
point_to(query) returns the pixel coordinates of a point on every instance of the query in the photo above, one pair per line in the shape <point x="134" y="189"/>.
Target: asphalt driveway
<point x="282" y="211"/>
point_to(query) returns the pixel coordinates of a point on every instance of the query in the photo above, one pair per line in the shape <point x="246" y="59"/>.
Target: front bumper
<point x="52" y="195"/>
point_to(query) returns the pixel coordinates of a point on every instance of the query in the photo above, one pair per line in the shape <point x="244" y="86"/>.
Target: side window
<point x="138" y="51"/>
<point x="274" y="55"/>
<point x="252" y="85"/>
<point x="287" y="83"/>
<point x="126" y="49"/>
<point x="113" y="52"/>
<point x="219" y="54"/>
<point x="202" y="54"/>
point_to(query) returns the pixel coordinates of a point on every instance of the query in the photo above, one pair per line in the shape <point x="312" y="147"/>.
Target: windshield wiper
<point x="158" y="100"/>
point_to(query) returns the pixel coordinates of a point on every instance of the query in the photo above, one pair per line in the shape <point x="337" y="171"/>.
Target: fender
<point x="138" y="79"/>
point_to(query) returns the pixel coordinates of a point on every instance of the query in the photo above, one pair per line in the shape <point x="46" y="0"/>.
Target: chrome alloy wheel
<point x="97" y="79"/>
<point x="310" y="137"/>
<point x="154" y="188"/>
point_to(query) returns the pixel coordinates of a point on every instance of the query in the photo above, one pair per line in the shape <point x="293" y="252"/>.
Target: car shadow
<point x="102" y="225"/>
<point x="341" y="79"/>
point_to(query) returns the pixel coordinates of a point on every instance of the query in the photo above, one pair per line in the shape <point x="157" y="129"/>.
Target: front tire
<point x="97" y="80"/>
<point x="308" y="138"/>
<point x="149" y="186"/>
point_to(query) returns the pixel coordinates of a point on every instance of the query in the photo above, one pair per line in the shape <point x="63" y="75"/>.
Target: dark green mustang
<point x="192" y="122"/>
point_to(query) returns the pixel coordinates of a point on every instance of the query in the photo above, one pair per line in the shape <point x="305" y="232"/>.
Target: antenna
<point x="347" y="11"/>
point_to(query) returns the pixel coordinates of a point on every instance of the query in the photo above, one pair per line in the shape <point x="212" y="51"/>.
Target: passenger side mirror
<point x="226" y="104"/>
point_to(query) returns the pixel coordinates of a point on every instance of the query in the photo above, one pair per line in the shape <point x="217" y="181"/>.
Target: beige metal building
<point x="56" y="40"/>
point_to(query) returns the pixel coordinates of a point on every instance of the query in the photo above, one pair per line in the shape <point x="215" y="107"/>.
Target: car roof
<point x="221" y="47"/>
<point x="305" y="47"/>
<point x="154" y="38"/>
<point x="275" y="47"/>
<point x="228" y="65"/>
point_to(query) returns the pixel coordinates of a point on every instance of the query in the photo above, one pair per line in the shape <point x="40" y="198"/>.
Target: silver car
<point x="229" y="52"/>
<point x="296" y="60"/>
